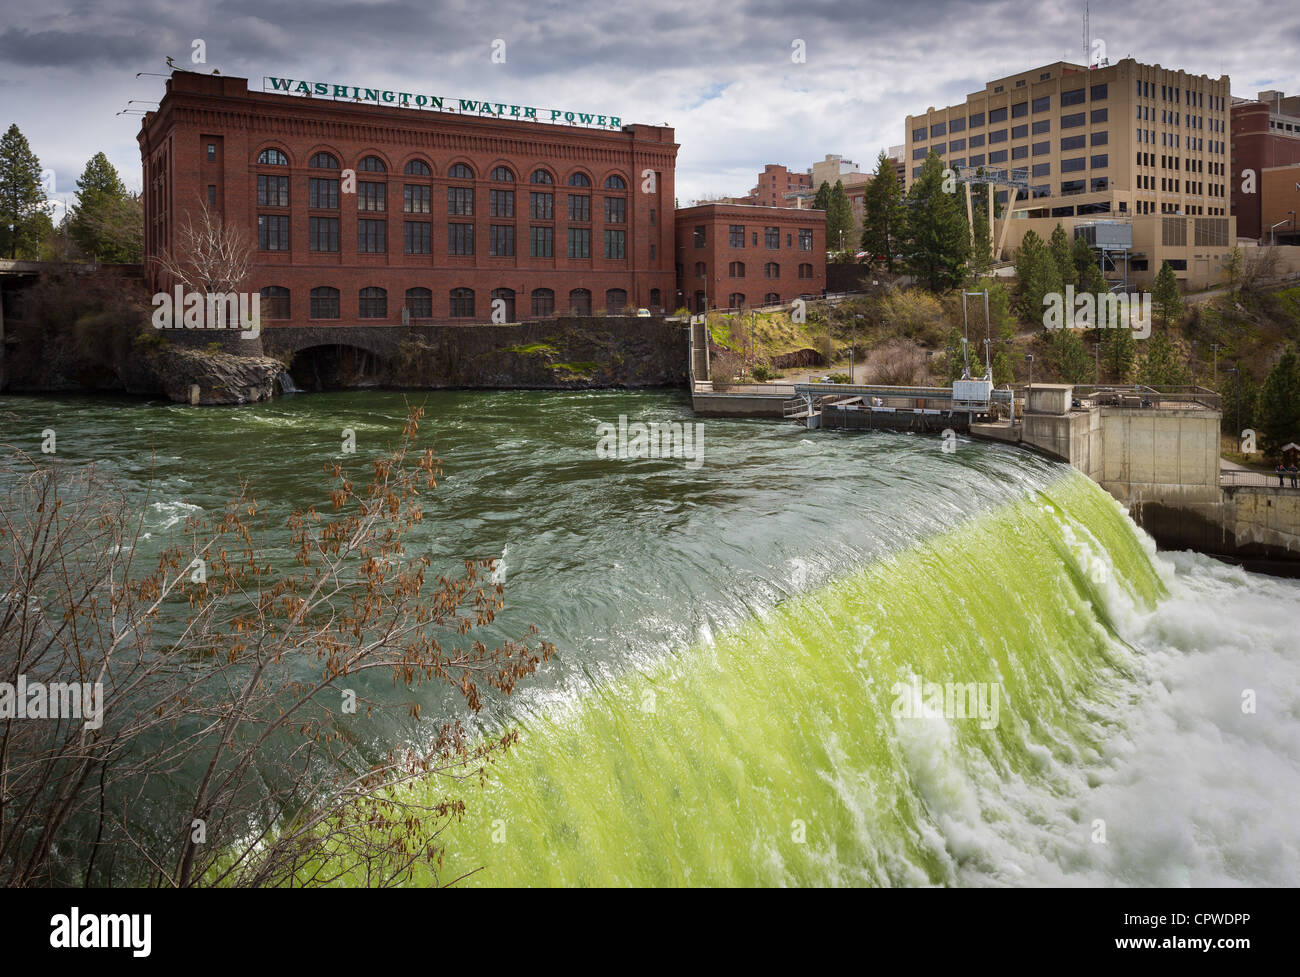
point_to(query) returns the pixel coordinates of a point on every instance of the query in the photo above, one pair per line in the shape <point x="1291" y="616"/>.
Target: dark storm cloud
<point x="722" y="74"/>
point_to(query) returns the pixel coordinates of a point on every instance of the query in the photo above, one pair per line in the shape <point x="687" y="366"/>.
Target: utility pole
<point x="1215" y="348"/>
<point x="1029" y="358"/>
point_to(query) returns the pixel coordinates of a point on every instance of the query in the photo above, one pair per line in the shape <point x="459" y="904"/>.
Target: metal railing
<point x="1235" y="478"/>
<point x="1142" y="396"/>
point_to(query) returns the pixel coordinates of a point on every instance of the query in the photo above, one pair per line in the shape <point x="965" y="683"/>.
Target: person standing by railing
<point x="1280" y="473"/>
<point x="1294" y="472"/>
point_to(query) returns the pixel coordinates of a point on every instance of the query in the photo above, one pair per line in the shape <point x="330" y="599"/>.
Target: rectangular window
<point x="416" y="199"/>
<point x="957" y="163"/>
<point x="997" y="115"/>
<point x="501" y="240"/>
<point x="1073" y="121"/>
<point x="1076" y="97"/>
<point x="1020" y="132"/>
<point x="1098" y="92"/>
<point x="699" y="235"/>
<point x="999" y="135"/>
<point x="957" y="146"/>
<point x="939" y="129"/>
<point x="977" y="141"/>
<point x="372" y="196"/>
<point x="1019" y="152"/>
<point x="1042" y="148"/>
<point x="212" y="194"/>
<point x="323" y="194"/>
<point x="1041" y="126"/>
<point x="1100" y="161"/>
<point x="541" y="242"/>
<point x="418" y="237"/>
<point x="772" y="238"/>
<point x="579" y="208"/>
<point x="918" y="135"/>
<point x="273" y="232"/>
<point x="580" y="242"/>
<point x="323" y="233"/>
<point x="372" y="236"/>
<point x="957" y="125"/>
<point x="1100" y="138"/>
<point x="920" y="152"/>
<point x="805" y="239"/>
<point x="460" y="238"/>
<point x="460" y="201"/>
<point x="615" y="245"/>
<point x="1073" y="186"/>
<point x="998" y="157"/>
<point x="1074" y="164"/>
<point x="541" y="206"/>
<point x="272" y="191"/>
<point x="1042" y="169"/>
<point x="976" y="119"/>
<point x="501" y="203"/>
<point x="939" y="148"/>
<point x="1073" y="142"/>
<point x="1099" y="115"/>
<point x="1019" y="110"/>
<point x="977" y="160"/>
<point x="212" y="152"/>
<point x="615" y="210"/>
<point x="1043" y="104"/>
<point x="736" y="235"/>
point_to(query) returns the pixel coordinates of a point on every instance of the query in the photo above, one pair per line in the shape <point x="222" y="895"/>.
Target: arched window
<point x="772" y="270"/>
<point x="615" y="182"/>
<point x="323" y="161"/>
<point x="506" y="296"/>
<point x="580" y="301"/>
<point x="805" y="270"/>
<point x="503" y="174"/>
<point x="324" y="302"/>
<point x="462" y="303"/>
<point x="579" y="180"/>
<point x="372" y="164"/>
<point x="736" y="269"/>
<point x="541" y="176"/>
<point x="275" y="302"/>
<point x="460" y="172"/>
<point x="771" y="298"/>
<point x="736" y="300"/>
<point x="272" y="157"/>
<point x="419" y="303"/>
<point x="615" y="300"/>
<point x="417" y="167"/>
<point x="373" y="304"/>
<point x="543" y="301"/>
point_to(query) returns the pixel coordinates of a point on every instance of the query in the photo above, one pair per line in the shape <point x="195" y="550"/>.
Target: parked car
<point x="643" y="313"/>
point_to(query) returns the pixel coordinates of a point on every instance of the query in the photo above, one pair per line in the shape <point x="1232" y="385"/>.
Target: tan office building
<point x="1129" y="142"/>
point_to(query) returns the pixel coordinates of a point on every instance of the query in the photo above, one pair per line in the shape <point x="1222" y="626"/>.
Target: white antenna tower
<point x="1086" y="46"/>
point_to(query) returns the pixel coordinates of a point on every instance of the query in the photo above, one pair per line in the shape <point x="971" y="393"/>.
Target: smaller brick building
<point x="1279" y="204"/>
<point x="733" y="256"/>
<point x="1265" y="134"/>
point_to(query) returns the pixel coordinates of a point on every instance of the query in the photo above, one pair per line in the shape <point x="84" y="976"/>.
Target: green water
<point x="725" y="705"/>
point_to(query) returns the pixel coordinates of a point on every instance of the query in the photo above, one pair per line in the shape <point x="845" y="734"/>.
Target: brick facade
<point x="1257" y="146"/>
<point x="710" y="253"/>
<point x="211" y="139"/>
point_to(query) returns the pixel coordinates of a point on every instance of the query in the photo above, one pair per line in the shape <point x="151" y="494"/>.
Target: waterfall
<point x="287" y="386"/>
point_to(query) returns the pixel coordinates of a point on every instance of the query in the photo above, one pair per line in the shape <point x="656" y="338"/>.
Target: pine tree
<point x="839" y="219"/>
<point x="108" y="222"/>
<point x="938" y="239"/>
<point x="22" y="197"/>
<point x="883" y="217"/>
<point x="1036" y="276"/>
<point x="1118" y="353"/>
<point x="1063" y="257"/>
<point x="1165" y="298"/>
<point x="1161" y="366"/>
<point x="1277" y="411"/>
<point x="1072" y="361"/>
<point x="1085" y="262"/>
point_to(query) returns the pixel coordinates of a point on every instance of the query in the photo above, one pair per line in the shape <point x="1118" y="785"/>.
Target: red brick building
<point x="450" y="211"/>
<point x="1265" y="134"/>
<point x="774" y="183"/>
<point x="738" y="256"/>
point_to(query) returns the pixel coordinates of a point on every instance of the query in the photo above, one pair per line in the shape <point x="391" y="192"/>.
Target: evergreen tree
<point x="883" y="218"/>
<point x="839" y="219"/>
<point x="1161" y="366"/>
<point x="1118" y="353"/>
<point x="1277" y="410"/>
<point x="1063" y="258"/>
<point x="1036" y="276"/>
<point x="981" y="255"/>
<point x="1084" y="259"/>
<point x="822" y="201"/>
<point x="1002" y="371"/>
<point x="22" y="197"/>
<point x="1072" y="361"/>
<point x="1166" y="300"/>
<point x="1002" y="324"/>
<point x="937" y="237"/>
<point x="107" y="223"/>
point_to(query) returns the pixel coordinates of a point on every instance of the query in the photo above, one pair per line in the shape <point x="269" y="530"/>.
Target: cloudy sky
<point x="722" y="73"/>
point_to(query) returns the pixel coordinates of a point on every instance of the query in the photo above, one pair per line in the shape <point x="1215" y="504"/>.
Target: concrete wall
<point x="1165" y="454"/>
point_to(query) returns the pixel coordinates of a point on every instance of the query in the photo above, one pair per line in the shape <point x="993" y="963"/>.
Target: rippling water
<point x="723" y="707"/>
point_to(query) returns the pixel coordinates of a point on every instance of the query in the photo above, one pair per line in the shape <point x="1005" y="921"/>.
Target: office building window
<point x="272" y="191"/>
<point x="460" y="238"/>
<point x="1076" y="97"/>
<point x="541" y="206"/>
<point x="580" y="242"/>
<point x="1043" y="104"/>
<point x="273" y="232"/>
<point x="372" y="196"/>
<point x="323" y="234"/>
<point x="1042" y="126"/>
<point x="416" y="198"/>
<point x="541" y="242"/>
<point x="322" y="194"/>
<point x="997" y="115"/>
<point x="417" y="237"/>
<point x="736" y="235"/>
<point x="501" y="203"/>
<point x="460" y="201"/>
<point x="1019" y="110"/>
<point x="1073" y="121"/>
<point x="372" y="236"/>
<point x="615" y="245"/>
<point x="501" y="240"/>
<point x="615" y="210"/>
<point x="579" y="207"/>
<point x="805" y="239"/>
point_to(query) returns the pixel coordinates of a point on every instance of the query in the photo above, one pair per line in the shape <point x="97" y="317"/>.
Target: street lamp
<point x="1273" y="230"/>
<point x="1029" y="358"/>
<point x="1236" y="392"/>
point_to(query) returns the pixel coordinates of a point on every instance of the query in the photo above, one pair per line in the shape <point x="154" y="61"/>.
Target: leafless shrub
<point x="227" y="754"/>
<point x="210" y="255"/>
